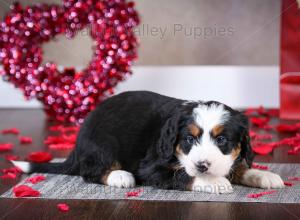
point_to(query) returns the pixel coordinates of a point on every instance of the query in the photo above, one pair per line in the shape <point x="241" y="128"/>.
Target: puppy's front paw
<point x="121" y="179"/>
<point x="212" y="184"/>
<point x="262" y="179"/>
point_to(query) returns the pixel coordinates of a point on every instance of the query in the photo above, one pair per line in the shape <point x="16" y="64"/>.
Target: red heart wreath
<point x="67" y="94"/>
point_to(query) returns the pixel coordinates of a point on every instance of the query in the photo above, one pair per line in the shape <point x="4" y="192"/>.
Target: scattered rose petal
<point x="252" y="134"/>
<point x="9" y="176"/>
<point x="267" y="127"/>
<point x="6" y="147"/>
<point x="10" y="157"/>
<point x="14" y="170"/>
<point x="260" y="167"/>
<point x="259" y="137"/>
<point x="264" y="149"/>
<point x="61" y="142"/>
<point x="61" y="146"/>
<point x="36" y="179"/>
<point x="273" y="112"/>
<point x="288" y="183"/>
<point x="63" y="207"/>
<point x="285" y="128"/>
<point x="294" y="178"/>
<point x="39" y="157"/>
<point x="259" y="121"/>
<point x="257" y="195"/>
<point x="292" y="152"/>
<point x="262" y="111"/>
<point x="25" y="140"/>
<point x="25" y="191"/>
<point x="11" y="131"/>
<point x="295" y="150"/>
<point x="291" y="141"/>
<point x="135" y="193"/>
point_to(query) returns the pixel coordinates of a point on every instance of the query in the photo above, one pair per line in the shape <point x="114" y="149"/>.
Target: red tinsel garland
<point x="68" y="95"/>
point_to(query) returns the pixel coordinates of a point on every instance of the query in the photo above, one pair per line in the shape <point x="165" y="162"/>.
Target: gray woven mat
<point x="73" y="187"/>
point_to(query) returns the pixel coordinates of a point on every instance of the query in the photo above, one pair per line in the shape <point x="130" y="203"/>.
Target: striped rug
<point x="73" y="187"/>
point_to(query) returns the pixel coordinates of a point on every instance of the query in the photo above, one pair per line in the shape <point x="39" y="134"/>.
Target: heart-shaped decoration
<point x="67" y="94"/>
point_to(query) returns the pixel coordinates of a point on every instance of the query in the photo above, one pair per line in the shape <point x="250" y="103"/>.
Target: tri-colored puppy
<point x="149" y="139"/>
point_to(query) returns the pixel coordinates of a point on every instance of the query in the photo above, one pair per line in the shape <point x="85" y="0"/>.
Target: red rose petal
<point x="288" y="128"/>
<point x="6" y="147"/>
<point x="259" y="121"/>
<point x="264" y="149"/>
<point x="63" y="207"/>
<point x="294" y="178"/>
<point x="36" y="179"/>
<point x="292" y="152"/>
<point x="273" y="112"/>
<point x="257" y="195"/>
<point x="14" y="170"/>
<point x="292" y="141"/>
<point x="295" y="150"/>
<point x="10" y="157"/>
<point x="61" y="146"/>
<point x="262" y="111"/>
<point x="288" y="183"/>
<point x="8" y="176"/>
<point x="25" y="191"/>
<point x="135" y="193"/>
<point x="39" y="157"/>
<point x="260" y="167"/>
<point x="25" y="140"/>
<point x="259" y="137"/>
<point x="61" y="142"/>
<point x="11" y="131"/>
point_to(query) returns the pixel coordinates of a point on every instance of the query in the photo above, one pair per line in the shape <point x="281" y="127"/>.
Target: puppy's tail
<point x="66" y="167"/>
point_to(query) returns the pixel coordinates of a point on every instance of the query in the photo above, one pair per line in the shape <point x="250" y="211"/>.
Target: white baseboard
<point x="237" y="86"/>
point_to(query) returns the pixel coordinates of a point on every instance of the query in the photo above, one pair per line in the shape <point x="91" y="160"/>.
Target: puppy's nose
<point x="202" y="166"/>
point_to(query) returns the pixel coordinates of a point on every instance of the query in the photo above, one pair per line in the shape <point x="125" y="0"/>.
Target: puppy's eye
<point x="190" y="139"/>
<point x="221" y="140"/>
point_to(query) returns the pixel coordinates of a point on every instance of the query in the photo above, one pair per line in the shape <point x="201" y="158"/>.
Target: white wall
<point x="187" y="32"/>
<point x="237" y="86"/>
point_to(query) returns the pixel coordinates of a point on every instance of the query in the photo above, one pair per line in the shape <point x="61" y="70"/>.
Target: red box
<point x="290" y="96"/>
<point x="290" y="60"/>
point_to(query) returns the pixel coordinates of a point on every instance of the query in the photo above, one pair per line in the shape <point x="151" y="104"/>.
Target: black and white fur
<point x="149" y="139"/>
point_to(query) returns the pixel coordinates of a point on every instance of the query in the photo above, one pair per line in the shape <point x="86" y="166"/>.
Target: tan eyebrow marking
<point x="195" y="130"/>
<point x="217" y="130"/>
<point x="178" y="150"/>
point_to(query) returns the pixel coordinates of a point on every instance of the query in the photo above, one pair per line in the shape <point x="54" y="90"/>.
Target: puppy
<point x="150" y="139"/>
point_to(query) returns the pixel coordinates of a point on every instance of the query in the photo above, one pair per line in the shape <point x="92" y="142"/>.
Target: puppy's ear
<point x="246" y="151"/>
<point x="168" y="136"/>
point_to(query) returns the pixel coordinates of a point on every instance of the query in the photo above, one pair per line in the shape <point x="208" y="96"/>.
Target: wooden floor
<point x="33" y="123"/>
